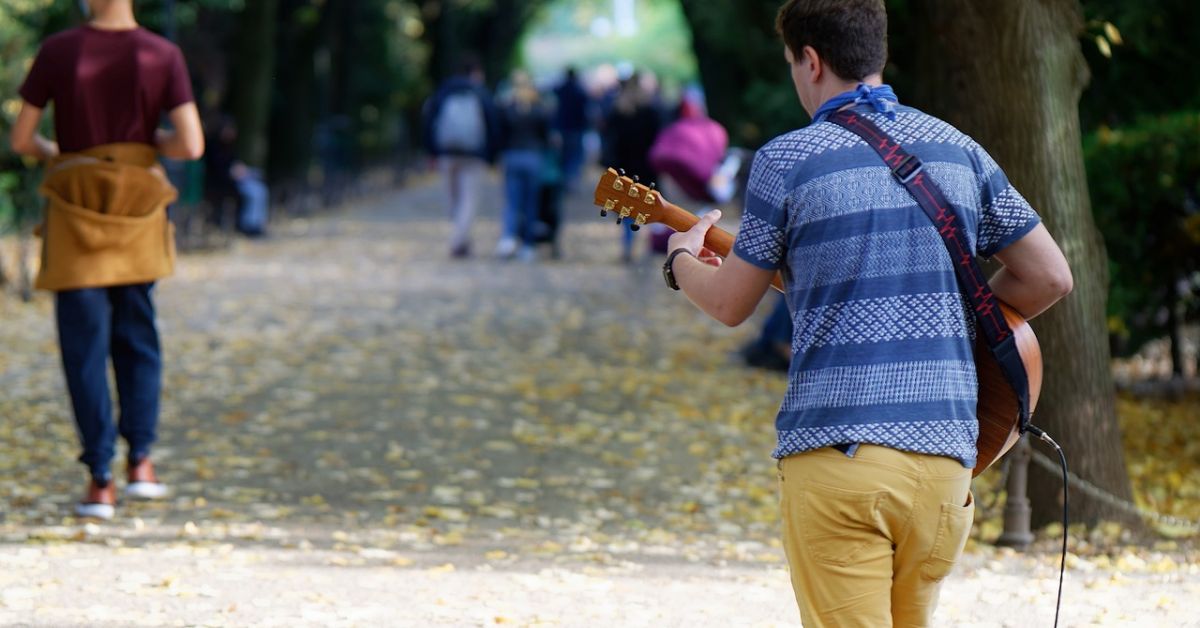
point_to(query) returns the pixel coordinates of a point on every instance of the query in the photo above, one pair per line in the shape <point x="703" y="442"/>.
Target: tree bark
<point x="724" y="82"/>
<point x="1010" y="74"/>
<point x="1175" y="328"/>
<point x="253" y="66"/>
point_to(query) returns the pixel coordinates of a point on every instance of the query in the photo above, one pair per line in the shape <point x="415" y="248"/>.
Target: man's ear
<point x="813" y="60"/>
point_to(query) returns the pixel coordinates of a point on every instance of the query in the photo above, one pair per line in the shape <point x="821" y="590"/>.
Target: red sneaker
<point x="100" y="502"/>
<point x="143" y="484"/>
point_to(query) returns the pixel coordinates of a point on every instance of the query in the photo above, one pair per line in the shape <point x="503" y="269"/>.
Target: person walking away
<point x="694" y="163"/>
<point x="571" y="123"/>
<point x="107" y="239"/>
<point x="460" y="133"/>
<point x="877" y="431"/>
<point x="632" y="127"/>
<point x="525" y="129"/>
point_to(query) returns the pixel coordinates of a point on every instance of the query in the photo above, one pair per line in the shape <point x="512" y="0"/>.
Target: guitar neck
<point x="717" y="240"/>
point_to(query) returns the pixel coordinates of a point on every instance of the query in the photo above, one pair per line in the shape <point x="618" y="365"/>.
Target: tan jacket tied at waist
<point x="106" y="219"/>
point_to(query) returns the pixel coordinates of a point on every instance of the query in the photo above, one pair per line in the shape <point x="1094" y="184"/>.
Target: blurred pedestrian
<point x="631" y="127"/>
<point x="694" y="163"/>
<point x="693" y="153"/>
<point x="525" y="129"/>
<point x="460" y="133"/>
<point x="571" y="123"/>
<point x="772" y="348"/>
<point x="229" y="177"/>
<point x="107" y="237"/>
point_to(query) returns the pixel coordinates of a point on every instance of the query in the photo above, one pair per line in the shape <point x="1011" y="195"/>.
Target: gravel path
<point x="360" y="432"/>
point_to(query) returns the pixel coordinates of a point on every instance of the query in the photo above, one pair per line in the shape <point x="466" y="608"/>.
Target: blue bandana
<point x="882" y="98"/>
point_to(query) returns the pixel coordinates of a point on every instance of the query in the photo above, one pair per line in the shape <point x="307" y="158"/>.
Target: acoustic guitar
<point x="998" y="410"/>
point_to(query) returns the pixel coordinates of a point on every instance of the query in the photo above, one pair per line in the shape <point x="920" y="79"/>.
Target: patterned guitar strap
<point x="910" y="172"/>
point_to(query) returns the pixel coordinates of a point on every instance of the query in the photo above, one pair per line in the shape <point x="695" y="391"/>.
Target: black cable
<point x="1062" y="566"/>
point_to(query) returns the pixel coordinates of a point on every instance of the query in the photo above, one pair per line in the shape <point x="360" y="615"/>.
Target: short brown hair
<point x="849" y="35"/>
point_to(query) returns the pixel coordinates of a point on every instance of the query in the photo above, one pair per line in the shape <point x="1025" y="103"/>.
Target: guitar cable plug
<point x="1062" y="456"/>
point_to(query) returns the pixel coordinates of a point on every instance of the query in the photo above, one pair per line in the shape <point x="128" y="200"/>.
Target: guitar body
<point x="998" y="409"/>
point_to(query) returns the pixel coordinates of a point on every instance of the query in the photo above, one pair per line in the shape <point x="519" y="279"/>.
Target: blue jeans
<point x="522" y="183"/>
<point x="256" y="199"/>
<point x="777" y="329"/>
<point x="94" y="324"/>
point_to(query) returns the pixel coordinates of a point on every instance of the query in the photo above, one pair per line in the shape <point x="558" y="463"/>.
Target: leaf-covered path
<point x="359" y="431"/>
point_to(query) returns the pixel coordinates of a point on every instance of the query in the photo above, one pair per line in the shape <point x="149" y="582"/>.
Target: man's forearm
<point x="708" y="287"/>
<point x="1030" y="298"/>
<point x="695" y="281"/>
<point x="726" y="290"/>
<point x="171" y="145"/>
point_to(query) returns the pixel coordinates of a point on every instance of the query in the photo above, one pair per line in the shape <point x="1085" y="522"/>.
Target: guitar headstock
<point x="626" y="198"/>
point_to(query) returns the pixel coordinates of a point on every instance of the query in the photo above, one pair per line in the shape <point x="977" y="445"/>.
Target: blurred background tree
<point x="1145" y="182"/>
<point x="653" y="37"/>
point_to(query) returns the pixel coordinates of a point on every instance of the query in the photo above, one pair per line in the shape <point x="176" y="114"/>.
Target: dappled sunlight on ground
<point x="359" y="431"/>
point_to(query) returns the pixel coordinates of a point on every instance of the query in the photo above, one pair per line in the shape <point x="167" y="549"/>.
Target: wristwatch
<point x="668" y="272"/>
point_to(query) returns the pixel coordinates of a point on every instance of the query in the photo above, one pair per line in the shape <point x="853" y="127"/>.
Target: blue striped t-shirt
<point x="883" y="340"/>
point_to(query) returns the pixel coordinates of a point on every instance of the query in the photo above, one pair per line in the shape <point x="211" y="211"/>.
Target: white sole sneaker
<point x="506" y="248"/>
<point x="95" y="511"/>
<point x="146" y="490"/>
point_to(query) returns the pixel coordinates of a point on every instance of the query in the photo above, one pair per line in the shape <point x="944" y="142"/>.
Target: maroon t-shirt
<point x="107" y="86"/>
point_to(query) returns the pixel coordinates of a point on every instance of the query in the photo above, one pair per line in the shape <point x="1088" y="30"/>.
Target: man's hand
<point x="693" y="239"/>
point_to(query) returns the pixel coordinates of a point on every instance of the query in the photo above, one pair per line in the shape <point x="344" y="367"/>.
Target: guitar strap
<point x="910" y="172"/>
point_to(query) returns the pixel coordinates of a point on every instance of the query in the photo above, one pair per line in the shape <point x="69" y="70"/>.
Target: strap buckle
<point x="908" y="169"/>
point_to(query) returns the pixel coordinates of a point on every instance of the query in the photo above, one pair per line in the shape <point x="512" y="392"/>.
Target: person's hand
<point x="693" y="239"/>
<point x="709" y="257"/>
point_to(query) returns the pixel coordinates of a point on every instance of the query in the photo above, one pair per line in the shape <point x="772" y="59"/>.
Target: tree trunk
<point x="490" y="35"/>
<point x="294" y="122"/>
<point x="724" y="82"/>
<point x="1010" y="74"/>
<point x="253" y="67"/>
<point x="1175" y="329"/>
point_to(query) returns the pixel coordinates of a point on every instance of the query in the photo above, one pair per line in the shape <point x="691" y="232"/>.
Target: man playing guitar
<point x="877" y="431"/>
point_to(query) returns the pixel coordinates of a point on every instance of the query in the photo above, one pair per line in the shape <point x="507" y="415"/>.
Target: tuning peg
<point x="621" y="171"/>
<point x="635" y="227"/>
<point x="603" y="213"/>
<point x="637" y="179"/>
<point x="653" y="185"/>
<point x="619" y="219"/>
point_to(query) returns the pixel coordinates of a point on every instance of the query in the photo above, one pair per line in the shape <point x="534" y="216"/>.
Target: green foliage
<point x="387" y="76"/>
<point x="21" y="24"/>
<point x="572" y="32"/>
<point x="741" y="61"/>
<point x="743" y="69"/>
<point x="1152" y="68"/>
<point x="1145" y="184"/>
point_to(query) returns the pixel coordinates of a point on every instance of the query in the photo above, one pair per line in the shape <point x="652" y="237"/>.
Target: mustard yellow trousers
<point x="870" y="538"/>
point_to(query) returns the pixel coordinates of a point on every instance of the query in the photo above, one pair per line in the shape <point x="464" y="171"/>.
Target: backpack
<point x="460" y="126"/>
